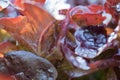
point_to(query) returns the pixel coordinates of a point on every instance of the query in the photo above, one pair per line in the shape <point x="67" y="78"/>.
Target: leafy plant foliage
<point x="86" y="41"/>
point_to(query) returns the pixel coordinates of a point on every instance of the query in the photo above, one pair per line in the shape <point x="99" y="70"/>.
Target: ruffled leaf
<point x="87" y="15"/>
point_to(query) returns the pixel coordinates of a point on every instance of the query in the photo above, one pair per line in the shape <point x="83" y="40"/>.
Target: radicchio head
<point x="87" y="34"/>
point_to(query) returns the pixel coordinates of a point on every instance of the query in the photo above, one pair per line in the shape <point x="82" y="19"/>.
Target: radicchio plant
<point x="85" y="34"/>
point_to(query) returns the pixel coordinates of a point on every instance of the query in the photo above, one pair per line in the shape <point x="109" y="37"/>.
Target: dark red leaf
<point x="112" y="3"/>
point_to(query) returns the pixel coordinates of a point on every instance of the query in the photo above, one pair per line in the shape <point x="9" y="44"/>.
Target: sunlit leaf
<point x="20" y="3"/>
<point x="27" y="28"/>
<point x="41" y="1"/>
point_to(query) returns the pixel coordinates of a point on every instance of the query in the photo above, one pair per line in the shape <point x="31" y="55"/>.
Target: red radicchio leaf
<point x="19" y="3"/>
<point x="49" y="38"/>
<point x="110" y="7"/>
<point x="5" y="47"/>
<point x="87" y="15"/>
<point x="81" y="16"/>
<point x="5" y="77"/>
<point x="28" y="28"/>
<point x="41" y="1"/>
